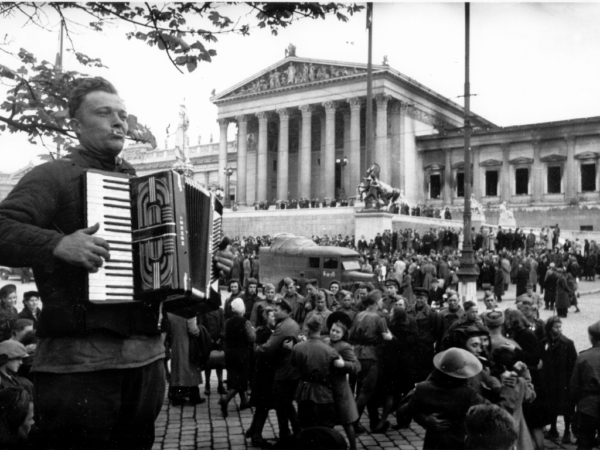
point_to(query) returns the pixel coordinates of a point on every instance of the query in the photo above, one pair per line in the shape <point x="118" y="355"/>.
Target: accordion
<point x="163" y="230"/>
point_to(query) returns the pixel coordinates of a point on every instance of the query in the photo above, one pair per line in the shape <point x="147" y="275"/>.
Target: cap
<point x="391" y="281"/>
<point x="594" y="330"/>
<point x="421" y="292"/>
<point x="457" y="363"/>
<point x="493" y="318"/>
<point x="13" y="349"/>
<point x="315" y="323"/>
<point x="252" y="281"/>
<point x="238" y="306"/>
<point x="288" y="281"/>
<point x="468" y="305"/>
<point x="339" y="316"/>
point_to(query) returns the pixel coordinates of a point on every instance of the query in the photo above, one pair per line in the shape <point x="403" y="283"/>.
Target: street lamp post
<point x="467" y="274"/>
<point x="228" y="172"/>
<point x="342" y="162"/>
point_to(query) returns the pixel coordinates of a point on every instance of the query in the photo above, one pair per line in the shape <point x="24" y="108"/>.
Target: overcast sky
<point x="533" y="62"/>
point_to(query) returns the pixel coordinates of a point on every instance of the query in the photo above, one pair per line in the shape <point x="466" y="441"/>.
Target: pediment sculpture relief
<point x="294" y="73"/>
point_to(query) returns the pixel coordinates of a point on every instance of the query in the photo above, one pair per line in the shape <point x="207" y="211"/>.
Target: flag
<point x="369" y="15"/>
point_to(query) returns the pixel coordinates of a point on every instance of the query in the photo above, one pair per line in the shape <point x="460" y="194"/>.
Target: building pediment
<point x="490" y="163"/>
<point x="587" y="155"/>
<point x="521" y="160"/>
<point x="293" y="72"/>
<point x="553" y="158"/>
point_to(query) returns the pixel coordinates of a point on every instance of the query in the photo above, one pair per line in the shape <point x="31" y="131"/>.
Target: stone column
<point x="381" y="153"/>
<point x="570" y="167"/>
<point x="328" y="159"/>
<point x="505" y="178"/>
<point x="448" y="197"/>
<point x="304" y="157"/>
<point x="261" y="159"/>
<point x="476" y="173"/>
<point x="347" y="141"/>
<point x="206" y="179"/>
<point x="223" y="124"/>
<point x="394" y="150"/>
<point x="353" y="167"/>
<point x="538" y="186"/>
<point x="283" y="154"/>
<point x="242" y="166"/>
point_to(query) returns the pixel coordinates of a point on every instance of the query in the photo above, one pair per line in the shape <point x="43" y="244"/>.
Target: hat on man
<point x="594" y="330"/>
<point x="468" y="305"/>
<point x="238" y="306"/>
<point x="457" y="363"/>
<point x="552" y="265"/>
<point x="420" y="291"/>
<point x="288" y="281"/>
<point x="11" y="350"/>
<point x="315" y="323"/>
<point x="391" y="281"/>
<point x="252" y="281"/>
<point x="524" y="298"/>
<point x="493" y="318"/>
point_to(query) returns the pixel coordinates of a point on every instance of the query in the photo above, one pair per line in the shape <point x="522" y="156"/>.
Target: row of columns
<point x="381" y="153"/>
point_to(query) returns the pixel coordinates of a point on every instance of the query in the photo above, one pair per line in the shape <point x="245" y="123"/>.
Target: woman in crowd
<point x="339" y="324"/>
<point x="563" y="294"/>
<point x="8" y="311"/>
<point x="262" y="383"/>
<point x="16" y="417"/>
<point x="558" y="360"/>
<point x="239" y="340"/>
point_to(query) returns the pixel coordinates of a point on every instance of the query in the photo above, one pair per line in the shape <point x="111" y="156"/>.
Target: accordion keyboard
<point x="109" y="204"/>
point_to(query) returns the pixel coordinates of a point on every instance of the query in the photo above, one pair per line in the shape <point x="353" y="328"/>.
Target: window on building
<point x="586" y="227"/>
<point x="522" y="181"/>
<point x="460" y="184"/>
<point x="588" y="177"/>
<point x="491" y="183"/>
<point x="554" y="179"/>
<point x="274" y="165"/>
<point x="435" y="186"/>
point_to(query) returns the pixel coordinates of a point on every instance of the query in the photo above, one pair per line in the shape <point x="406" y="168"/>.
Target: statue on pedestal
<point x="476" y="207"/>
<point x="507" y="217"/>
<point x="374" y="192"/>
<point x="182" y="157"/>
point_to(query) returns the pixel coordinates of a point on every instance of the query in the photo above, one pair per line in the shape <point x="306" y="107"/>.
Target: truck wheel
<point x="4" y="275"/>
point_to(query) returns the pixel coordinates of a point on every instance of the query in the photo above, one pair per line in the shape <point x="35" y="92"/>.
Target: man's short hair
<point x="490" y="427"/>
<point x="21" y="324"/>
<point x="29" y="294"/>
<point x="285" y="306"/>
<point x="82" y="87"/>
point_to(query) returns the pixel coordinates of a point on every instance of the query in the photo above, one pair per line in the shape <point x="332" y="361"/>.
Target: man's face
<point x="490" y="302"/>
<point x="101" y="123"/>
<point x="311" y="289"/>
<point x="453" y="303"/>
<point x="320" y="304"/>
<point x="525" y="309"/>
<point x="347" y="301"/>
<point x="252" y="289"/>
<point x="474" y="345"/>
<point x="291" y="288"/>
<point x="270" y="294"/>
<point x="235" y="288"/>
<point x="280" y="313"/>
<point x="362" y="293"/>
<point x="472" y="313"/>
<point x="19" y="334"/>
<point x="421" y="300"/>
<point x="400" y="303"/>
<point x="335" y="288"/>
<point x="392" y="289"/>
<point x="33" y="303"/>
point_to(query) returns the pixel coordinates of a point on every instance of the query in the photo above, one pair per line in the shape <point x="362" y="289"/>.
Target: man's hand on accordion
<point x="223" y="258"/>
<point x="83" y="249"/>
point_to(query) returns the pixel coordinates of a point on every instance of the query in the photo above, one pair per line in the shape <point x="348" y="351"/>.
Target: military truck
<point x="289" y="255"/>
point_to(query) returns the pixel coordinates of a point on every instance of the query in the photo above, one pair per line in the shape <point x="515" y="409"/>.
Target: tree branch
<point x="161" y="38"/>
<point x="35" y="128"/>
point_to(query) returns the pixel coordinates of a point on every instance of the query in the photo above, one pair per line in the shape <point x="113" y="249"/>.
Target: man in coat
<point x="428" y="324"/>
<point x="98" y="369"/>
<point x="584" y="391"/>
<point x="286" y="376"/>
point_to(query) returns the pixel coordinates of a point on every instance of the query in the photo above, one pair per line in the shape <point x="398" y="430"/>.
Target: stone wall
<point x="301" y="222"/>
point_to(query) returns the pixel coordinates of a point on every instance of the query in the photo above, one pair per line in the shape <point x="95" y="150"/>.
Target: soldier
<point x="428" y="324"/>
<point x="585" y="391"/>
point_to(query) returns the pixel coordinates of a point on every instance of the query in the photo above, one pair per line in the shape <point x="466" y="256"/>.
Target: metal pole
<point x="369" y="121"/>
<point x="467" y="274"/>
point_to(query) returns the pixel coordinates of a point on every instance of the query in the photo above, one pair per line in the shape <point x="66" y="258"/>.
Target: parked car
<point x="23" y="273"/>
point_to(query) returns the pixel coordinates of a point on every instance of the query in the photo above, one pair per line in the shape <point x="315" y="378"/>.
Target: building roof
<point x="257" y="84"/>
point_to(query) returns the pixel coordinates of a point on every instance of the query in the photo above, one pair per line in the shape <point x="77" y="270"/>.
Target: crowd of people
<point x="322" y="356"/>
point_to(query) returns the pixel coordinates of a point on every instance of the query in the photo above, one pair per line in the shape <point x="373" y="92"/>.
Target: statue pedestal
<point x="477" y="220"/>
<point x="369" y="223"/>
<point x="507" y="222"/>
